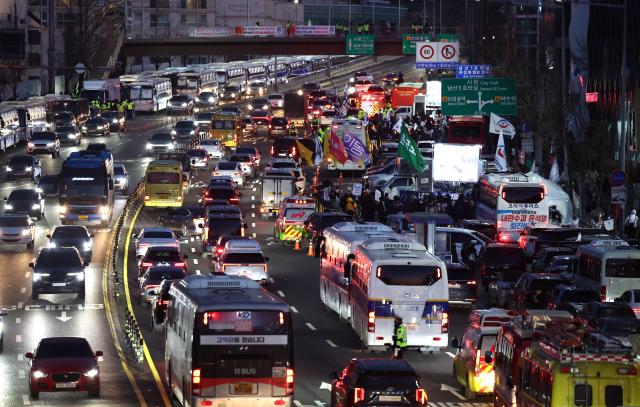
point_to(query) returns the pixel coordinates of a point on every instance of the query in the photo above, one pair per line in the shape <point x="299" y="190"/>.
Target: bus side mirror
<point x="134" y="236"/>
<point x="488" y="357"/>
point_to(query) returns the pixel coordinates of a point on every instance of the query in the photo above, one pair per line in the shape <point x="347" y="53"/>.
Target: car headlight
<point x="8" y="206"/>
<point x="233" y="95"/>
<point x="84" y="127"/>
<point x="26" y="232"/>
<point x="221" y="94"/>
<point x="98" y="127"/>
<point x="104" y="209"/>
<point x="169" y="104"/>
<point x="78" y="275"/>
<point x="300" y="92"/>
<point x="51" y="244"/>
<point x="149" y="146"/>
<point x="351" y="90"/>
<point x="71" y="135"/>
<point x="265" y="107"/>
<point x="8" y="169"/>
<point x="31" y="145"/>
<point x="49" y="144"/>
<point x="39" y="276"/>
<point x="192" y="132"/>
<point x="92" y="373"/>
<point x="184" y="104"/>
<point x="29" y="169"/>
<point x="86" y="246"/>
<point x="171" y="146"/>
<point x="35" y="206"/>
<point x="173" y="132"/>
<point x="351" y="80"/>
<point x="211" y="100"/>
<point x="37" y="374"/>
<point x="197" y="99"/>
<point x="250" y="107"/>
<point x="62" y="209"/>
<point x="114" y="121"/>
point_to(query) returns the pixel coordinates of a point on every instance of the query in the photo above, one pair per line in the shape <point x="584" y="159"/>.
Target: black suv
<point x="73" y="236"/>
<point x="377" y="382"/>
<point x="593" y="312"/>
<point x="161" y="303"/>
<point x="498" y="259"/>
<point x="218" y="224"/>
<point x="571" y="298"/>
<point x="27" y="201"/>
<point x="57" y="269"/>
<point x="533" y="290"/>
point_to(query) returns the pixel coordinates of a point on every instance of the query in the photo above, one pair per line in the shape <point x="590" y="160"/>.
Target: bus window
<point x="622" y="268"/>
<point x="163" y="178"/>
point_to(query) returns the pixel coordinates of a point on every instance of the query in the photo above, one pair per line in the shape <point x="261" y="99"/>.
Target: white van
<point x="243" y="258"/>
<point x="398" y="278"/>
<point x="610" y="267"/>
<point x="340" y="240"/>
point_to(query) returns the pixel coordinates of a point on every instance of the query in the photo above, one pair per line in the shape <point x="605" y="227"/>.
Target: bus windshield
<point x="224" y="125"/>
<point x="465" y="131"/>
<point x="191" y="83"/>
<point x="141" y="92"/>
<point x="163" y="178"/>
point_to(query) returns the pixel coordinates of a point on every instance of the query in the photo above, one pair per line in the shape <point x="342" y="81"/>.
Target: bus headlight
<point x="49" y="144"/>
<point x="31" y="145"/>
<point x="300" y="92"/>
<point x="114" y="121"/>
<point x="8" y="169"/>
<point x="71" y="135"/>
<point x="98" y="127"/>
<point x="192" y="132"/>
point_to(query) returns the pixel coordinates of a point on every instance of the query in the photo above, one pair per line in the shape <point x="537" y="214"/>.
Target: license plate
<point x="390" y="398"/>
<point x="83" y="217"/>
<point x="71" y="385"/>
<point x="242" y="388"/>
<point x="454" y="285"/>
<point x="59" y="284"/>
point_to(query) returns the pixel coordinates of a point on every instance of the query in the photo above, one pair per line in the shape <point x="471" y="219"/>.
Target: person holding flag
<point x="408" y="149"/>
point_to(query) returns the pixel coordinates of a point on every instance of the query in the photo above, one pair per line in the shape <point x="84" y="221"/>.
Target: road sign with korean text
<point x="360" y="44"/>
<point x="474" y="97"/>
<point x="409" y="42"/>
<point x="473" y="71"/>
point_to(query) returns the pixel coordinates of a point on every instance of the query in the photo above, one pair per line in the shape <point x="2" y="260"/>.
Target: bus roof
<point x="165" y="164"/>
<point x="610" y="249"/>
<point x="397" y="247"/>
<point x="209" y="292"/>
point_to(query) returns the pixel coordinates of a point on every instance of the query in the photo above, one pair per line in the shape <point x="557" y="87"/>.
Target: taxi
<point x="292" y="214"/>
<point x="469" y="366"/>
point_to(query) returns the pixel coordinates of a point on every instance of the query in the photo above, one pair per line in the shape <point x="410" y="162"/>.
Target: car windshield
<point x="59" y="349"/>
<point x="231" y="89"/>
<point x="227" y="166"/>
<point x="275" y="97"/>
<point x="382" y="380"/>
<point x="546" y="285"/>
<point x="160" y="137"/>
<point x="278" y="121"/>
<point x="21" y="160"/>
<point x="59" y="258"/>
<point x="185" y="124"/>
<point x="14" y="221"/>
<point x="109" y="115"/>
<point x="43" y="135"/>
<point x="70" y="232"/>
<point x="157" y="234"/>
<point x="23" y="194"/>
<point x="504" y="255"/>
<point x="245" y="150"/>
<point x="238" y="158"/>
<point x="180" y="99"/>
<point x="65" y="129"/>
<point x="223" y="226"/>
<point x="95" y="120"/>
<point x="221" y="193"/>
<point x="563" y="261"/>
<point x="244" y="258"/>
<point x="206" y="95"/>
<point x="210" y="142"/>
<point x="165" y="273"/>
<point x="283" y="164"/>
<point x="162" y="255"/>
<point x="260" y="113"/>
<point x="284" y="143"/>
<point x="197" y="153"/>
<point x="580" y="296"/>
<point x="118" y="170"/>
<point x="616" y="312"/>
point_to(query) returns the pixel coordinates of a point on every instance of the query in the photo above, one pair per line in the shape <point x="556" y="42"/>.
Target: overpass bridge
<point x="240" y="46"/>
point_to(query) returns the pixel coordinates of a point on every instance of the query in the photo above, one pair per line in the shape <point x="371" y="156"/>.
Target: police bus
<point x="193" y="83"/>
<point x="394" y="278"/>
<point x="515" y="201"/>
<point x="228" y="342"/>
<point x="150" y="95"/>
<point x="339" y="241"/>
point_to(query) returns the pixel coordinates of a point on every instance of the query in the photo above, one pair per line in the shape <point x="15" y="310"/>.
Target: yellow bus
<point x="163" y="184"/>
<point x="226" y="128"/>
<point x="595" y="371"/>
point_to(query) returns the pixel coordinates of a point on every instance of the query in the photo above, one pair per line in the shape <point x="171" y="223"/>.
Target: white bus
<point x="398" y="278"/>
<point x="150" y="95"/>
<point x="609" y="267"/>
<point x="258" y="78"/>
<point x="279" y="72"/>
<point x="32" y="116"/>
<point x="299" y="66"/>
<point x="228" y="342"/>
<point x="340" y="240"/>
<point x="515" y="201"/>
<point x="193" y="83"/>
<point x="233" y="75"/>
<point x="354" y="137"/>
<point x="9" y="127"/>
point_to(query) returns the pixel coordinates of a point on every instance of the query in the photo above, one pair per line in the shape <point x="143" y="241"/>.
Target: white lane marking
<point x="253" y="206"/>
<point x="254" y="189"/>
<point x="313" y="328"/>
<point x="21" y="374"/>
<point x="281" y="294"/>
<point x="253" y="198"/>
<point x="294" y="309"/>
<point x="271" y="280"/>
<point x="253" y="215"/>
<point x="198" y="272"/>
<point x="330" y="342"/>
<point x="25" y="400"/>
<point x="193" y="250"/>
<point x="193" y="239"/>
<point x="23" y="290"/>
<point x="254" y="235"/>
<point x="27" y="274"/>
<point x="253" y="225"/>
<point x="20" y="357"/>
<point x="18" y="338"/>
<point x="20" y="305"/>
<point x="319" y="403"/>
<point x="18" y="320"/>
<point x="297" y="403"/>
<point x="451" y="355"/>
<point x="195" y="261"/>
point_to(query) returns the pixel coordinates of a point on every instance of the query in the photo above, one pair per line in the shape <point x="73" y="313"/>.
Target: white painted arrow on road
<point x="452" y="390"/>
<point x="63" y="317"/>
<point x="325" y="386"/>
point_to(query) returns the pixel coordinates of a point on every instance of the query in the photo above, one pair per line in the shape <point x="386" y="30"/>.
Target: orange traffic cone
<point x="311" y="252"/>
<point x="297" y="246"/>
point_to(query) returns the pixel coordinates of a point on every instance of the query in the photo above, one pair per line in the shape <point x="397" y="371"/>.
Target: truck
<point x="404" y="94"/>
<point x="86" y="190"/>
<point x="101" y="90"/>
<point x="276" y="185"/>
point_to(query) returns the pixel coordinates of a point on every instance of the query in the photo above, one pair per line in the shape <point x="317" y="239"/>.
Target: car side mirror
<point x="31" y="265"/>
<point x="193" y="161"/>
<point x="91" y="235"/>
<point x="48" y="236"/>
<point x="455" y="343"/>
<point x="488" y="357"/>
<point x="5" y="198"/>
<point x="28" y="355"/>
<point x="133" y="236"/>
<point x="201" y="225"/>
<point x="138" y="257"/>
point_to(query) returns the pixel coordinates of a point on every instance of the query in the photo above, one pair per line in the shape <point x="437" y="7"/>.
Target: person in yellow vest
<point x="350" y="205"/>
<point x="132" y="109"/>
<point x="399" y="338"/>
<point x="361" y="114"/>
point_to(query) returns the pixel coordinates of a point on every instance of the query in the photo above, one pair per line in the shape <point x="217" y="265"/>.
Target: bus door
<point x="603" y="391"/>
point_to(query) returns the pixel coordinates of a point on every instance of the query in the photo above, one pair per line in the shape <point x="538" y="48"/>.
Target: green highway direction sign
<point x="360" y="44"/>
<point x="474" y="97"/>
<point x="447" y="38"/>
<point x="409" y="42"/>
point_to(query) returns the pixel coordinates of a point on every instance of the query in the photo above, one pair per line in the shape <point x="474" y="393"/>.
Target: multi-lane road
<point x="322" y="344"/>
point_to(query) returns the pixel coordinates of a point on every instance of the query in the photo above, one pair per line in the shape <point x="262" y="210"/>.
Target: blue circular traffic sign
<point x="618" y="178"/>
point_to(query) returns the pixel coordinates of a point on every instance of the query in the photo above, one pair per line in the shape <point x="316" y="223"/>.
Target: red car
<point x="64" y="364"/>
<point x="162" y="256"/>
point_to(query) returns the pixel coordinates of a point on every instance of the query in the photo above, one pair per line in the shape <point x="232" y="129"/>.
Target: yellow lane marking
<point x="112" y="329"/>
<point x="145" y="349"/>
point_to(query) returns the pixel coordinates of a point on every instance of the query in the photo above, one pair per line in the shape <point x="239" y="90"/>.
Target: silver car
<point x="17" y="229"/>
<point x="121" y="181"/>
<point x="231" y="169"/>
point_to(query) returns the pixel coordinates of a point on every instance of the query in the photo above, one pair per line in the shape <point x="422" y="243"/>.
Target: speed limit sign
<point x="425" y="54"/>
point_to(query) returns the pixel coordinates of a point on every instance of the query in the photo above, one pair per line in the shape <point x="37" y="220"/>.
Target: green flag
<point x="408" y="149"/>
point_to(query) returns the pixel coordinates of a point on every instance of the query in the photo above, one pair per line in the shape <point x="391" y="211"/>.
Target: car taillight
<point x="483" y="269"/>
<point x="219" y="250"/>
<point x="270" y="127"/>
<point x="145" y="264"/>
<point x="521" y="242"/>
<point x="290" y="377"/>
<point x="146" y="197"/>
<point x="503" y="238"/>
<point x="551" y="305"/>
<point x="631" y="371"/>
<point x="195" y="381"/>
<point x="421" y="396"/>
<point x="272" y="150"/>
<point x="162" y="302"/>
<point x="293" y="150"/>
<point x="603" y="293"/>
<point x="636" y="310"/>
<point x="358" y="395"/>
<point x="371" y="322"/>
<point x="473" y="282"/>
<point x="445" y="322"/>
<point x="179" y="264"/>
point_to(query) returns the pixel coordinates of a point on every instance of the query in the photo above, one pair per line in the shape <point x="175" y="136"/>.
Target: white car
<point x="232" y="169"/>
<point x="246" y="163"/>
<point x="276" y="100"/>
<point x="17" y="229"/>
<point x="121" y="179"/>
<point x="283" y="163"/>
<point x="152" y="237"/>
<point x="213" y="147"/>
<point x="243" y="258"/>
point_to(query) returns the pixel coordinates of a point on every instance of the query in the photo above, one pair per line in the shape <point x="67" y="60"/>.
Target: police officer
<point x="321" y="134"/>
<point x="361" y="114"/>
<point x="132" y="109"/>
<point x="399" y="338"/>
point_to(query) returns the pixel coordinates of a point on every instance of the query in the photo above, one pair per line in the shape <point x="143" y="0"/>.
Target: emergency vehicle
<point x="470" y="368"/>
<point x="371" y="102"/>
<point x="513" y="338"/>
<point x="293" y="212"/>
<point x="571" y="366"/>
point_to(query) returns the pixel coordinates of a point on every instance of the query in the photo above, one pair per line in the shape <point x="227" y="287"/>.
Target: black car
<point x="285" y="147"/>
<point x="544" y="256"/>
<point x="259" y="104"/>
<point x="377" y="382"/>
<point x="620" y="328"/>
<point x="61" y="118"/>
<point x="27" y="166"/>
<point x="231" y="109"/>
<point x="497" y="259"/>
<point x="27" y="201"/>
<point x="309" y="87"/>
<point x="180" y="104"/>
<point x="186" y="129"/>
<point x="69" y="134"/>
<point x="115" y="119"/>
<point x="463" y="287"/>
<point x="161" y="303"/>
<point x="217" y="191"/>
<point x="317" y="222"/>
<point x="96" y="126"/>
<point x="152" y="278"/>
<point x="184" y="219"/>
<point x="571" y="298"/>
<point x="562" y="263"/>
<point x="73" y="236"/>
<point x="219" y="224"/>
<point x="58" y="270"/>
<point x="533" y="290"/>
<point x="168" y="256"/>
<point x="594" y="311"/>
<point x="279" y="126"/>
<point x="486" y="227"/>
<point x="205" y="101"/>
<point x="247" y="125"/>
<point x="48" y="185"/>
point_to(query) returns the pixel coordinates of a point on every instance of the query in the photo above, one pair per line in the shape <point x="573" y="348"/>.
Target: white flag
<point x="499" y="124"/>
<point x="501" y="158"/>
<point x="398" y="126"/>
<point x="554" y="174"/>
<point x="318" y="152"/>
